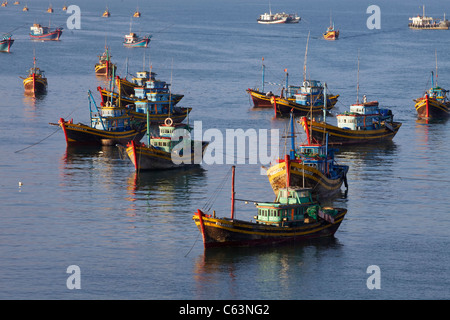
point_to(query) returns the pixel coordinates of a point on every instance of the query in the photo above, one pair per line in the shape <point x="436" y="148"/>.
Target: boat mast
<point x="287" y="84"/>
<point x="232" y="191"/>
<point x="263" y="70"/>
<point x="435" y="54"/>
<point x="306" y="54"/>
<point x="357" y="82"/>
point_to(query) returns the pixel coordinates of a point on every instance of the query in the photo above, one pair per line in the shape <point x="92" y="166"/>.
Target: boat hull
<point x="285" y="106"/>
<point x="105" y="70"/>
<point x="260" y="99"/>
<point x="5" y="45"/>
<point x="80" y="134"/>
<point x="138" y="44"/>
<point x="430" y="108"/>
<point x="51" y="36"/>
<point x="179" y="114"/>
<point x="308" y="177"/>
<point x="340" y="136"/>
<point x="226" y="232"/>
<point x="150" y="158"/>
<point x="35" y="85"/>
<point x="332" y="35"/>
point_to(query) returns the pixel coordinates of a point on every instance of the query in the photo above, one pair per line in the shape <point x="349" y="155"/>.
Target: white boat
<point x="269" y="18"/>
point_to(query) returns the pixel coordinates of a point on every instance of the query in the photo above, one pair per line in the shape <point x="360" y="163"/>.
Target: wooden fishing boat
<point x="109" y="125"/>
<point x="106" y="13"/>
<point x="134" y="41"/>
<point x="36" y="82"/>
<point x="356" y="127"/>
<point x="6" y="43"/>
<point x="331" y="33"/>
<point x="434" y="104"/>
<point x="137" y="13"/>
<point x="64" y="8"/>
<point x="39" y="32"/>
<point x="166" y="150"/>
<point x="364" y="123"/>
<point x="4" y="3"/>
<point x="293" y="217"/>
<point x="25" y="8"/>
<point x="311" y="165"/>
<point x="50" y="9"/>
<point x="104" y="67"/>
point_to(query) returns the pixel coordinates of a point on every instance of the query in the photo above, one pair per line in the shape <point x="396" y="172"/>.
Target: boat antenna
<point x="435" y="54"/>
<point x="233" y="168"/>
<point x="263" y="70"/>
<point x="357" y="82"/>
<point x="306" y="54"/>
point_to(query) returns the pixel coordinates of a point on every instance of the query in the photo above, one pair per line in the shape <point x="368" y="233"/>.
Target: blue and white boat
<point x="134" y="41"/>
<point x="6" y="43"/>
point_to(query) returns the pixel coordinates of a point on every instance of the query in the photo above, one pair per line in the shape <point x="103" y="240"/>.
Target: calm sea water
<point x="133" y="236"/>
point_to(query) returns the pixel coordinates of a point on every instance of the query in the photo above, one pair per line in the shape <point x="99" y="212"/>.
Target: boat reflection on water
<point x="282" y="264"/>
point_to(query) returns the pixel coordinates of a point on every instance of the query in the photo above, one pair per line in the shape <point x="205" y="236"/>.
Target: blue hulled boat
<point x="6" y="43"/>
<point x="134" y="41"/>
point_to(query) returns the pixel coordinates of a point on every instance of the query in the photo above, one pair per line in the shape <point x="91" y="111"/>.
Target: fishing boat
<point x="109" y="125"/>
<point x="293" y="217"/>
<point x="4" y="3"/>
<point x="25" y="8"/>
<point x="6" y="43"/>
<point x="104" y="67"/>
<point x="36" y="82"/>
<point x="16" y="3"/>
<point x="292" y="17"/>
<point x="134" y="41"/>
<point x="64" y="8"/>
<point x="269" y="18"/>
<point x="364" y="123"/>
<point x="39" y="32"/>
<point x="137" y="13"/>
<point x="106" y="13"/>
<point x="422" y="22"/>
<point x="166" y="150"/>
<point x="50" y="9"/>
<point x="434" y="104"/>
<point x="311" y="165"/>
<point x="331" y="33"/>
